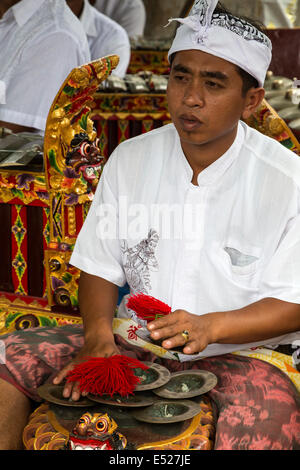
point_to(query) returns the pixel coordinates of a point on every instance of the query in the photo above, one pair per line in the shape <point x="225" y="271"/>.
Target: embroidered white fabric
<point x="224" y="36"/>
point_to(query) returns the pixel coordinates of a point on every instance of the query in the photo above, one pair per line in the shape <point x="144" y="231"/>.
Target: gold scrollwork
<point x="71" y="221"/>
<point x="55" y="264"/>
<point x="59" y="271"/>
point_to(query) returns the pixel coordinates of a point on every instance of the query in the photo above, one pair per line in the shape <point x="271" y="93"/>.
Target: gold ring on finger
<point x="185" y="335"/>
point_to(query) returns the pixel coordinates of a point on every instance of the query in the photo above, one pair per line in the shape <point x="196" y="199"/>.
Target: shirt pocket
<point x="242" y="261"/>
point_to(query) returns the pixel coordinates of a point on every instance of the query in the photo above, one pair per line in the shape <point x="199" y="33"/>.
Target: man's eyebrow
<point x="181" y="68"/>
<point x="217" y="74"/>
<point x="206" y="74"/>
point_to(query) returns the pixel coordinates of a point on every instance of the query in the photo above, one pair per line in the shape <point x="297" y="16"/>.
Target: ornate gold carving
<point x="7" y="195"/>
<point x="60" y="274"/>
<point x="71" y="221"/>
<point x="70" y="116"/>
<point x="2" y="320"/>
<point x="274" y="125"/>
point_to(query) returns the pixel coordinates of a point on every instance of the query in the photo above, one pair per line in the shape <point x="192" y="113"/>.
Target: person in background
<point x="131" y="14"/>
<point x="105" y="36"/>
<point x="272" y="13"/>
<point x="297" y="19"/>
<point x="41" y="42"/>
<point x="279" y="13"/>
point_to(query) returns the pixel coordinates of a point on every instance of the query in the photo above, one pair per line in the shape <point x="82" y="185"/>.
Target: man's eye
<point x="211" y="84"/>
<point x="179" y="77"/>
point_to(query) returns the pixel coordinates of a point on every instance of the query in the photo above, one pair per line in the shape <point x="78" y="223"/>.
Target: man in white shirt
<point x="131" y="14"/>
<point x="105" y="36"/>
<point x="41" y="42"/>
<point x="226" y="260"/>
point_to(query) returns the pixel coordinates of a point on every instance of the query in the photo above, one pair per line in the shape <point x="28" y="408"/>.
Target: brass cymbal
<point x="187" y="384"/>
<point x="53" y="394"/>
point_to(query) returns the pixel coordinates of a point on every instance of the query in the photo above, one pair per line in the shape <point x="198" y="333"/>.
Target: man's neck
<point x="76" y="7"/>
<point x="203" y="155"/>
<point x="6" y="5"/>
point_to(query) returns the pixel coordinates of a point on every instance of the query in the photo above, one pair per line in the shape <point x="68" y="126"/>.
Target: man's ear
<point x="253" y="99"/>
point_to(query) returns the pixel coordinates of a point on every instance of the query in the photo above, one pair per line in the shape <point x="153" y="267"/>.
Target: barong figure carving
<point x="96" y="431"/>
<point x="85" y="158"/>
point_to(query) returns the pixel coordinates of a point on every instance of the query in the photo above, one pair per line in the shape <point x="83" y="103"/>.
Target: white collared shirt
<point x="131" y="14"/>
<point x="105" y="37"/>
<point x="41" y="42"/>
<point x="219" y="246"/>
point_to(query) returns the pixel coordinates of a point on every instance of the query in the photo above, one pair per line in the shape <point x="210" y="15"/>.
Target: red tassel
<point x="107" y="376"/>
<point x="148" y="308"/>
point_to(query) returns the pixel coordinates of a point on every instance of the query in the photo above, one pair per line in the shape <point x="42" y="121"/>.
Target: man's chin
<point x="194" y="139"/>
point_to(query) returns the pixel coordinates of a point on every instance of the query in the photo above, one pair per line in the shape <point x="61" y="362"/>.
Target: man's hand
<point x="97" y="300"/>
<point x="265" y="319"/>
<point x="100" y="349"/>
<point x="170" y="328"/>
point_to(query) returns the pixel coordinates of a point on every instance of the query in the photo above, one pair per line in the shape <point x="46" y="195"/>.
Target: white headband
<point x="224" y="36"/>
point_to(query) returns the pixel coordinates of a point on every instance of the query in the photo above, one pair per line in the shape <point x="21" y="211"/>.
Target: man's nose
<point x="193" y="96"/>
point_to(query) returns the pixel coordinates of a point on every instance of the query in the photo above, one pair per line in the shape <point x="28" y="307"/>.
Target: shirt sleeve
<point x="97" y="249"/>
<point x="43" y="67"/>
<point x="281" y="278"/>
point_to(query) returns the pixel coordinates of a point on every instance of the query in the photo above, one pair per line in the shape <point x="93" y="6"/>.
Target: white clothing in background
<point x="131" y="14"/>
<point x="222" y="245"/>
<point x="297" y="20"/>
<point x="105" y="37"/>
<point x="41" y="42"/>
<point x="279" y="13"/>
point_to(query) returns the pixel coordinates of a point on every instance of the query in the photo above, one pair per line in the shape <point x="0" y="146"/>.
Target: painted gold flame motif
<point x="72" y="155"/>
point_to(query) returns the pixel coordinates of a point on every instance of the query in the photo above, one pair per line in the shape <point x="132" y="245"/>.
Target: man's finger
<point x="174" y="342"/>
<point x="68" y="388"/>
<point x="62" y="374"/>
<point x="166" y="321"/>
<point x="71" y="390"/>
<point x="193" y="347"/>
<point x="167" y="332"/>
<point x="75" y="392"/>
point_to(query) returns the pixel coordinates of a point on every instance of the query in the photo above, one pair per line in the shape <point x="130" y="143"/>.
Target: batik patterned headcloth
<point x="224" y="36"/>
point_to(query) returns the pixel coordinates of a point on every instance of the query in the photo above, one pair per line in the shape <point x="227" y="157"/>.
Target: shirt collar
<point x="214" y="171"/>
<point x="87" y="19"/>
<point x="25" y="9"/>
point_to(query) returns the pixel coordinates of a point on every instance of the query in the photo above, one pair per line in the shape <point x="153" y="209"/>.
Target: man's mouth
<point x="189" y="122"/>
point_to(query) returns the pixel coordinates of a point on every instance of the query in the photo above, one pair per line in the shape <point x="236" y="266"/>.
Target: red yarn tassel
<point x="107" y="376"/>
<point x="148" y="308"/>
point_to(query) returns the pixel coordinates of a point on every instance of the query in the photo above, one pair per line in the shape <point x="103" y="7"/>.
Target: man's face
<point x="205" y="98"/>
